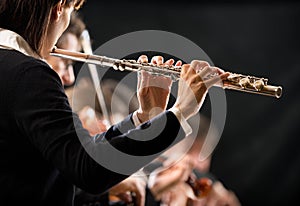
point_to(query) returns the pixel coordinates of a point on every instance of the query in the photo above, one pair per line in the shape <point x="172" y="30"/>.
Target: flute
<point x="238" y="82"/>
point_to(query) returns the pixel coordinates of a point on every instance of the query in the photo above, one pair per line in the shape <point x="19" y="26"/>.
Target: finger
<point x="233" y="200"/>
<point x="140" y="199"/>
<point x="224" y="75"/>
<point x="169" y="62"/>
<point x="209" y="72"/>
<point x="218" y="195"/>
<point x="211" y="202"/>
<point x="159" y="60"/>
<point x="205" y="71"/>
<point x="139" y="191"/>
<point x="126" y="197"/>
<point x="199" y="65"/>
<point x="214" y="80"/>
<point x="143" y="59"/>
<point x="189" y="191"/>
<point x="178" y="63"/>
<point x="221" y="71"/>
<point x="184" y="69"/>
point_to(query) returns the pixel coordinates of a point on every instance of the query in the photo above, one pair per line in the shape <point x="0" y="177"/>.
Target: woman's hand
<point x="153" y="90"/>
<point x="195" y="79"/>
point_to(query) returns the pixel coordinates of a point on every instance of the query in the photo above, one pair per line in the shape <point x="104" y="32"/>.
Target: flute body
<point x="238" y="82"/>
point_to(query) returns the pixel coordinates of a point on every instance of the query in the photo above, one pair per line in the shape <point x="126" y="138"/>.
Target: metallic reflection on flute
<point x="239" y="82"/>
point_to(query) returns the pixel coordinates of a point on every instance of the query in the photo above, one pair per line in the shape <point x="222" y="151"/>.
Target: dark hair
<point x="30" y="18"/>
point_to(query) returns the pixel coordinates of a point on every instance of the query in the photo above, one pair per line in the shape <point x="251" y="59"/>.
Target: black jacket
<point x="41" y="156"/>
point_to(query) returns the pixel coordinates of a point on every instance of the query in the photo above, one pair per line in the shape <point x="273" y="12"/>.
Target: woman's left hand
<point x="153" y="90"/>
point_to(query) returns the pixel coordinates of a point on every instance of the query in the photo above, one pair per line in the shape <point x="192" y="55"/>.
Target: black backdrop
<point x="258" y="156"/>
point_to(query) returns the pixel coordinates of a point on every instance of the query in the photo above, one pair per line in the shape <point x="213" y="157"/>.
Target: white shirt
<point x="13" y="41"/>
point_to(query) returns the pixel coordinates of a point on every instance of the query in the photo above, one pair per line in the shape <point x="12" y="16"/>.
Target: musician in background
<point x="70" y="40"/>
<point x="169" y="183"/>
<point x="132" y="189"/>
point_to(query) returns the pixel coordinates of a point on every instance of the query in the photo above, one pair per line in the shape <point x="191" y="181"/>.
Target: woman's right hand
<point x="195" y="79"/>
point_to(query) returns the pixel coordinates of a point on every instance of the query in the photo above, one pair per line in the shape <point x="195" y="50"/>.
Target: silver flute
<point x="239" y="82"/>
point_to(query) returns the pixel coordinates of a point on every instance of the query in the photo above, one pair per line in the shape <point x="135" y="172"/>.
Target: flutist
<point x="41" y="154"/>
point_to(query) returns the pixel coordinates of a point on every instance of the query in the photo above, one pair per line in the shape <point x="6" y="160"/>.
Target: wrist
<point x="183" y="121"/>
<point x="144" y="116"/>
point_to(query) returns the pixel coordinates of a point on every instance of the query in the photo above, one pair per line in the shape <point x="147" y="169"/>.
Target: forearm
<point x="129" y="152"/>
<point x="91" y="163"/>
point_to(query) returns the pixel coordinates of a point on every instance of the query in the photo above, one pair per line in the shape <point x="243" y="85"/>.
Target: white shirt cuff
<point x="183" y="122"/>
<point x="135" y="119"/>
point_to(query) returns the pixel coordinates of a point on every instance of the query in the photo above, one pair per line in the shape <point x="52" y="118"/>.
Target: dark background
<point x="258" y="156"/>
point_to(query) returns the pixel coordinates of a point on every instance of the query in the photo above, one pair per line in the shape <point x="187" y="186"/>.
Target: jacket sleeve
<point x="44" y="116"/>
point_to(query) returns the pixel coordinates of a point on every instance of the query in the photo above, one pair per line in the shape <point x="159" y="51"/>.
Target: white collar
<point x="13" y="41"/>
